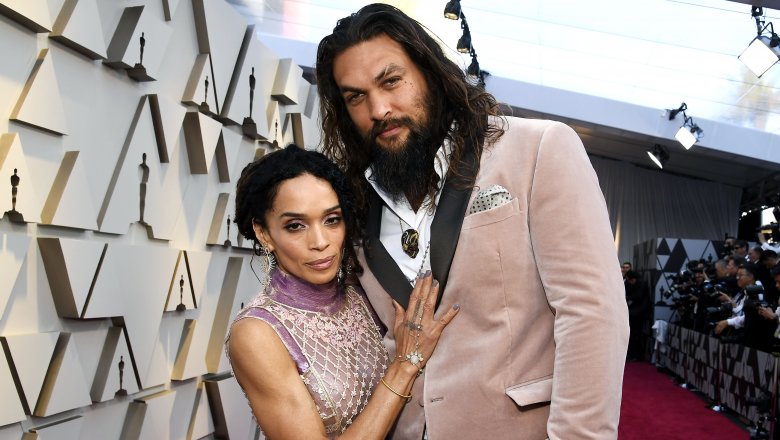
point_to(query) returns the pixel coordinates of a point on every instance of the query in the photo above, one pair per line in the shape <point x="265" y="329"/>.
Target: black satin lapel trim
<point x="445" y="229"/>
<point x="382" y="265"/>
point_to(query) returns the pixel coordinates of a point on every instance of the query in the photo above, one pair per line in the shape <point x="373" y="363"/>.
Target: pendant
<point x="410" y="242"/>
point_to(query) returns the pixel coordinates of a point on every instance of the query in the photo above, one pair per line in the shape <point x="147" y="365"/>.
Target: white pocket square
<point x="490" y="198"/>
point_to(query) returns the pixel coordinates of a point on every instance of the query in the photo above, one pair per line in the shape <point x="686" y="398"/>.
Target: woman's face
<point x="305" y="229"/>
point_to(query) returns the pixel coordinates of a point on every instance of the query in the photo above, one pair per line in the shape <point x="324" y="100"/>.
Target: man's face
<point x="777" y="281"/>
<point x="625" y="268"/>
<point x="732" y="268"/>
<point x="754" y="255"/>
<point x="384" y="91"/>
<point x="721" y="270"/>
<point x="744" y="278"/>
<point x="698" y="277"/>
<point x="740" y="251"/>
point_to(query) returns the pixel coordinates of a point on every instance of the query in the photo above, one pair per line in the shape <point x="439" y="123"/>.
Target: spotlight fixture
<point x="689" y="133"/>
<point x="764" y="51"/>
<point x="473" y="68"/>
<point x="464" y="42"/>
<point x="658" y="155"/>
<point x="452" y="10"/>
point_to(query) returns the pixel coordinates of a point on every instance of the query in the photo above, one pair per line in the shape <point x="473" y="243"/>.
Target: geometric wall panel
<point x="233" y="418"/>
<point x="10" y="432"/>
<point x="40" y="104"/>
<point x="157" y="409"/>
<point x="218" y="229"/>
<point x="202" y="135"/>
<point x="202" y="422"/>
<point x="64" y="387"/>
<point x="167" y="118"/>
<point x="195" y="92"/>
<point x="69" y="428"/>
<point x="71" y="266"/>
<point x="262" y="63"/>
<point x="191" y="358"/>
<point x="13" y="252"/>
<point x="286" y="86"/>
<point x="115" y="369"/>
<point x="227" y="151"/>
<point x="122" y="43"/>
<point x="220" y="31"/>
<point x="31" y="356"/>
<point x="11" y="411"/>
<point x="132" y="283"/>
<point x="13" y="161"/>
<point x="142" y="187"/>
<point x="124" y="51"/>
<point x="239" y="287"/>
<point x="78" y="26"/>
<point x="32" y="14"/>
<point x="72" y="191"/>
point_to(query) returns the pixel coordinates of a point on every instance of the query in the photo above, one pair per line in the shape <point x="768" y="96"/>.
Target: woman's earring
<point x="270" y="262"/>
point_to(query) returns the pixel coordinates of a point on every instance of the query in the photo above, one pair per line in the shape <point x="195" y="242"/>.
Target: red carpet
<point x="655" y="408"/>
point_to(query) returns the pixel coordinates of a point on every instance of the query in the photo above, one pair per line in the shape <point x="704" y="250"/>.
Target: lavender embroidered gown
<point x="332" y="336"/>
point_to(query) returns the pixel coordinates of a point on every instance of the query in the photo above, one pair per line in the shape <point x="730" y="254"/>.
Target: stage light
<point x="473" y="68"/>
<point x="688" y="134"/>
<point x="658" y="155"/>
<point x="464" y="43"/>
<point x="762" y="53"/>
<point x="764" y="50"/>
<point x="452" y="10"/>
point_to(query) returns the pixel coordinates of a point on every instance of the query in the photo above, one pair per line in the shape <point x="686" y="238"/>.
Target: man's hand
<point x="721" y="326"/>
<point x="766" y="313"/>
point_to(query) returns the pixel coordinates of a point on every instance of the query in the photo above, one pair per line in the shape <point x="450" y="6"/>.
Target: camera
<point x="754" y="298"/>
<point x="715" y="314"/>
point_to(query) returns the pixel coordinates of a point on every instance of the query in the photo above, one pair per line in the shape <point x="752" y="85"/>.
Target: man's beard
<point x="407" y="169"/>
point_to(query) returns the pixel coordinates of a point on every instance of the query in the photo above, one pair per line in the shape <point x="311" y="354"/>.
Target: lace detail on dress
<point x="336" y="345"/>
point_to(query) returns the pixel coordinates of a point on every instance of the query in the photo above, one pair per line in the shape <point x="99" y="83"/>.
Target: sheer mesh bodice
<point x="333" y="338"/>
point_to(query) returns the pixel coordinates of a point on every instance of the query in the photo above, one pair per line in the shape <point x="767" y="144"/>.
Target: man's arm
<point x="575" y="254"/>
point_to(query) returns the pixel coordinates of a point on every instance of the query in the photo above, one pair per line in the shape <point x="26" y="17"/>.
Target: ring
<point x="413" y="326"/>
<point x="415" y="358"/>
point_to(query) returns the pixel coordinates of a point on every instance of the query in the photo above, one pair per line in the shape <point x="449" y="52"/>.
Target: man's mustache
<point x="380" y="126"/>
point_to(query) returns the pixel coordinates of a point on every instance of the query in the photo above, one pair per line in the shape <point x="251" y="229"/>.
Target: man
<point x="624" y="268"/>
<point x="740" y="249"/>
<point x="637" y="298"/>
<point x="495" y="207"/>
<point x="746" y="276"/>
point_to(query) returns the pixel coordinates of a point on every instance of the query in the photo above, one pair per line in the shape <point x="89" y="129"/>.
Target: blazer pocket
<point x="494" y="215"/>
<point x="535" y="391"/>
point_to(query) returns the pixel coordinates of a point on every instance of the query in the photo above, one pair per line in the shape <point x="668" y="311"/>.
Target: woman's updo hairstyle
<point x="258" y="186"/>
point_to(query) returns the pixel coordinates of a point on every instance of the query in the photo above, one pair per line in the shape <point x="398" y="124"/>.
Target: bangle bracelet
<point x="408" y="398"/>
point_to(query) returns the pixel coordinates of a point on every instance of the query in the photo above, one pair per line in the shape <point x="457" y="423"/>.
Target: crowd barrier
<point x="726" y="373"/>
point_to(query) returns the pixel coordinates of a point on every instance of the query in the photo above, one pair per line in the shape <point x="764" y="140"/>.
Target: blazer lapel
<point x="445" y="229"/>
<point x="379" y="260"/>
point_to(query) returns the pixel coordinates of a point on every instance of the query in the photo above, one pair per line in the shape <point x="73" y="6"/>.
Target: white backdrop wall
<point x="644" y="204"/>
<point x="89" y="293"/>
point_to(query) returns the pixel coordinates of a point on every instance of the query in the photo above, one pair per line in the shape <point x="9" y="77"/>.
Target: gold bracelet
<point x="408" y="398"/>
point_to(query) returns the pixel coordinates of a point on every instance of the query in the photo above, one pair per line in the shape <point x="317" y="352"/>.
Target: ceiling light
<point x="762" y="53"/>
<point x="764" y="50"/>
<point x="688" y="134"/>
<point x="452" y="10"/>
<point x="464" y="43"/>
<point x="473" y="68"/>
<point x="658" y="155"/>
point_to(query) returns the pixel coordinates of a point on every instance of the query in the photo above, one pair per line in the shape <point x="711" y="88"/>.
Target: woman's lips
<point x="321" y="264"/>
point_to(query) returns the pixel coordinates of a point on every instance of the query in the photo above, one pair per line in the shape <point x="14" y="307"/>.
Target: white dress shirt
<point x="399" y="216"/>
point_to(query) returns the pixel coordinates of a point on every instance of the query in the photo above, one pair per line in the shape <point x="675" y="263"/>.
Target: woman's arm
<point x="281" y="402"/>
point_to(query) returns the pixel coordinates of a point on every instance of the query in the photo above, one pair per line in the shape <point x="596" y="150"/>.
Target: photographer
<point x="746" y="276"/>
<point x="637" y="299"/>
<point x="773" y="315"/>
<point x="709" y="296"/>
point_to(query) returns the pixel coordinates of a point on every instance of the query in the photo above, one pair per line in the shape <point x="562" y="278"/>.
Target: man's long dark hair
<point x="453" y="99"/>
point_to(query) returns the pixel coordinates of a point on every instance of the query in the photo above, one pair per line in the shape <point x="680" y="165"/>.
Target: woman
<point x="311" y="361"/>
